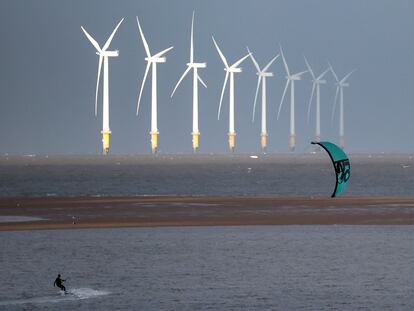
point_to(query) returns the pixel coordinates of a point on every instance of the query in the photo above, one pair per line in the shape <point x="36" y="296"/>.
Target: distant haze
<point x="48" y="73"/>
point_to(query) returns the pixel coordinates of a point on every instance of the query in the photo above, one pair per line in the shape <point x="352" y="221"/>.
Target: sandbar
<point x="163" y="211"/>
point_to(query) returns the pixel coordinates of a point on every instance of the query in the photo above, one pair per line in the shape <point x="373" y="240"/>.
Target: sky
<point x="48" y="73"/>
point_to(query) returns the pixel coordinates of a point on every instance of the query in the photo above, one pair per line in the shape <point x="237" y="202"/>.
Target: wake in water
<point x="71" y="295"/>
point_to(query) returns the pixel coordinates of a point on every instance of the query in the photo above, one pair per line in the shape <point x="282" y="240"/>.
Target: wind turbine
<point x="262" y="75"/>
<point x="152" y="60"/>
<point x="316" y="82"/>
<point x="104" y="55"/>
<point x="192" y="65"/>
<point x="340" y="84"/>
<point x="291" y="78"/>
<point x="230" y="70"/>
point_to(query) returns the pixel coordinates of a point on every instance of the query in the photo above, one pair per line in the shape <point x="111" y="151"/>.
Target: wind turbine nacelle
<point x="197" y="65"/>
<point x="321" y="81"/>
<point x="109" y="53"/>
<point x="295" y="78"/>
<point x="231" y="69"/>
<point x="156" y="59"/>
<point x="265" y="74"/>
<point x="344" y="84"/>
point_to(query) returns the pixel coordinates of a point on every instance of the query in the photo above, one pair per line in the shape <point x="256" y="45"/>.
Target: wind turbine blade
<point x="142" y="85"/>
<point x="97" y="84"/>
<point x="254" y="60"/>
<point x="220" y="53"/>
<point x="108" y="42"/>
<point x="239" y="61"/>
<point x="347" y="76"/>
<point x="201" y="81"/>
<point x="310" y="100"/>
<point x="147" y="50"/>
<point x="271" y="62"/>
<point x="163" y="52"/>
<point x="92" y="40"/>
<point x="283" y="97"/>
<point x="335" y="100"/>
<point x="333" y="72"/>
<point x="179" y="81"/>
<point x="322" y="74"/>
<point x="192" y="43"/>
<point x="300" y="73"/>
<point x="222" y="93"/>
<point x="284" y="61"/>
<point x="259" y="80"/>
<point x="309" y="68"/>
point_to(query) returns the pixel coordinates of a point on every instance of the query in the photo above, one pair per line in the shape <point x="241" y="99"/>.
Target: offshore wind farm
<point x="230" y="70"/>
<point x="130" y="134"/>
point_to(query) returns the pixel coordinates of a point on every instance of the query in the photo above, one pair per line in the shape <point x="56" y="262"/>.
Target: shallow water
<point x="212" y="268"/>
<point x="19" y="218"/>
<point x="276" y="174"/>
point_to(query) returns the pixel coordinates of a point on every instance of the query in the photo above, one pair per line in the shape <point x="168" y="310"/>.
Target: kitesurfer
<point x="58" y="282"/>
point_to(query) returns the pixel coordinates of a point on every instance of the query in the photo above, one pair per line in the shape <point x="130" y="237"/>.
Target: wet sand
<point x="156" y="211"/>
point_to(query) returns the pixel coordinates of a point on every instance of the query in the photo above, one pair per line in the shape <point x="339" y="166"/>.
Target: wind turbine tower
<point x="152" y="61"/>
<point x="104" y="55"/>
<point x="316" y="82"/>
<point x="340" y="84"/>
<point x="262" y="75"/>
<point x="196" y="78"/>
<point x="230" y="71"/>
<point x="291" y="78"/>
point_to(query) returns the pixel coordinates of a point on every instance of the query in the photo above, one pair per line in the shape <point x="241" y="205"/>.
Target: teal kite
<point x="341" y="164"/>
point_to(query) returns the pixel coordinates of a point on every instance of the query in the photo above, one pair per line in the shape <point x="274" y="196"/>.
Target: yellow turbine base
<point x="232" y="141"/>
<point x="292" y="142"/>
<point x="105" y="141"/>
<point x="154" y="142"/>
<point x="264" y="141"/>
<point x="196" y="137"/>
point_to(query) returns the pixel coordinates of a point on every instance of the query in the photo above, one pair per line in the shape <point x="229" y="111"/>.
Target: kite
<point x="341" y="164"/>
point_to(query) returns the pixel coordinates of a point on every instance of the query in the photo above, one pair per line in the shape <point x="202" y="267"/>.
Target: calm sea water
<point x="210" y="268"/>
<point x="279" y="175"/>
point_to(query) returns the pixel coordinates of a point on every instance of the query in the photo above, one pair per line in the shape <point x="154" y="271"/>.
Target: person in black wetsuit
<point x="58" y="282"/>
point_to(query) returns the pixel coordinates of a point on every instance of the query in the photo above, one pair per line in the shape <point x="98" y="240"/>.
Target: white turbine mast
<point x="152" y="61"/>
<point x="196" y="78"/>
<point x="340" y="84"/>
<point x="316" y="82"/>
<point x="230" y="71"/>
<point x="291" y="78"/>
<point x="104" y="55"/>
<point x="261" y="79"/>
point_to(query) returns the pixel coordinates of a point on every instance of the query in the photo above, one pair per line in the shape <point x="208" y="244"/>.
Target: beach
<point x="173" y="211"/>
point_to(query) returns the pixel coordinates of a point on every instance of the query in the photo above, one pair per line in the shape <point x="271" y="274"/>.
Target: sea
<point x="335" y="267"/>
<point x="239" y="174"/>
<point x="210" y="268"/>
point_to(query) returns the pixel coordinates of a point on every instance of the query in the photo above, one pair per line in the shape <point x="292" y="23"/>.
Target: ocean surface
<point x="210" y="268"/>
<point x="272" y="174"/>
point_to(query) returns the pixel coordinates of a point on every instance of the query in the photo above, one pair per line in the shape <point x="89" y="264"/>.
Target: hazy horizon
<point x="48" y="71"/>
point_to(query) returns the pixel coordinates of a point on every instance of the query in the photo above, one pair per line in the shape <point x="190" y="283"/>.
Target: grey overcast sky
<point x="48" y="73"/>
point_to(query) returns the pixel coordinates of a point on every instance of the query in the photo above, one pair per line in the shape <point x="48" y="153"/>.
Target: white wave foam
<point x="72" y="294"/>
<point x="85" y="293"/>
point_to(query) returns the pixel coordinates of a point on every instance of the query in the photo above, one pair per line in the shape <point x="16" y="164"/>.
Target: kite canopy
<point x="341" y="164"/>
